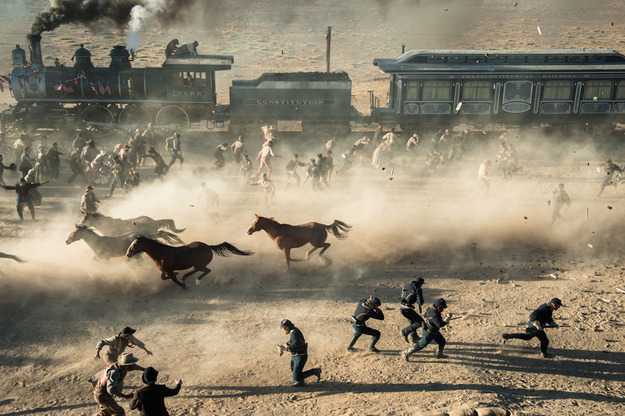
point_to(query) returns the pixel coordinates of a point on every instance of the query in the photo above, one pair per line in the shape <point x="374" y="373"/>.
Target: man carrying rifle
<point x="539" y="319"/>
<point x="433" y="322"/>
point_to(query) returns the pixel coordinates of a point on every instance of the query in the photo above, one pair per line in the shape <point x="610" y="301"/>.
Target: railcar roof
<point x="215" y="62"/>
<point x="430" y="59"/>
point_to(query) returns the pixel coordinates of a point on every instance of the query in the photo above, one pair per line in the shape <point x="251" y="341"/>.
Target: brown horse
<point x="168" y="259"/>
<point x="117" y="226"/>
<point x="288" y="236"/>
<point x="107" y="247"/>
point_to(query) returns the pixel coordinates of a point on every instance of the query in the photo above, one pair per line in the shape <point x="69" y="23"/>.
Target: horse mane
<point x="142" y="237"/>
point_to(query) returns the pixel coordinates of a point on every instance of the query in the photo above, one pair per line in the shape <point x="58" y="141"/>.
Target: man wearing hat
<point x="539" y="319"/>
<point x="150" y="399"/>
<point x="111" y="383"/>
<point x="117" y="344"/>
<point x="298" y="348"/>
<point x="367" y="308"/>
<point x="433" y="322"/>
<point x="23" y="188"/>
<point x="89" y="202"/>
<point x="411" y="293"/>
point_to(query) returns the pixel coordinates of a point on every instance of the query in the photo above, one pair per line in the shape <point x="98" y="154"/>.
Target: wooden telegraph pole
<point x="328" y="43"/>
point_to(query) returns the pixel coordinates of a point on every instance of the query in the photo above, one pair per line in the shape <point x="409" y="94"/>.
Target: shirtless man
<point x="265" y="155"/>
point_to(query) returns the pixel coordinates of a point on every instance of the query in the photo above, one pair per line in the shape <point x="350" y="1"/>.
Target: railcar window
<point x="477" y="90"/>
<point x="412" y="91"/>
<point x="188" y="79"/>
<point x="620" y="91"/>
<point x="577" y="58"/>
<point x="456" y="59"/>
<point x="476" y="58"/>
<point x="557" y="90"/>
<point x="556" y="58"/>
<point x="435" y="58"/>
<point x="598" y="90"/>
<point x="596" y="58"/>
<point x="496" y="58"/>
<point x="517" y="91"/>
<point x="516" y="58"/>
<point x="535" y="58"/>
<point x="436" y="91"/>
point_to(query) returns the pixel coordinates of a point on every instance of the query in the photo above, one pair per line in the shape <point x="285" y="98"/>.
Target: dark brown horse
<point x="117" y="226"/>
<point x="288" y="236"/>
<point x="107" y="247"/>
<point x="194" y="255"/>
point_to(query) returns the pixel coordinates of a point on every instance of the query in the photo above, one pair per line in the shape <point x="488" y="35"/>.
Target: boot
<point x="405" y="354"/>
<point x="372" y="347"/>
<point x="440" y="354"/>
<point x="318" y="374"/>
<point x="298" y="384"/>
<point x="405" y="335"/>
<point x="350" y="347"/>
<point x="547" y="355"/>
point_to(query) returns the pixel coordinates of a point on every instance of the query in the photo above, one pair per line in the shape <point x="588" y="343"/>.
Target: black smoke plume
<point x="91" y="12"/>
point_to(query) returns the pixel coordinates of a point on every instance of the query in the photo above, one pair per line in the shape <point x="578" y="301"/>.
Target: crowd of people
<point x="118" y="166"/>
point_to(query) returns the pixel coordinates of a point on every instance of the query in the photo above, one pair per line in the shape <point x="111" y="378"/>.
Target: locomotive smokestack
<point x="34" y="44"/>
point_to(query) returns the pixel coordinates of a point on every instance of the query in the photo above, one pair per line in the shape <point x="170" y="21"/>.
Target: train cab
<point x="192" y="78"/>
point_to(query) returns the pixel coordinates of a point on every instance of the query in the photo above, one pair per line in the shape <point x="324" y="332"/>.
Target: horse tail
<point x="170" y="225"/>
<point x="339" y="229"/>
<point x="168" y="237"/>
<point x="225" y="248"/>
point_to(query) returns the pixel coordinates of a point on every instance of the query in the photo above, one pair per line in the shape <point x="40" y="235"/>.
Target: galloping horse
<point x="116" y="226"/>
<point x="195" y="254"/>
<point x="288" y="236"/>
<point x="107" y="247"/>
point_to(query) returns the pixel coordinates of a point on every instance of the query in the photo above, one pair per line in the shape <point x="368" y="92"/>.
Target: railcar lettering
<point x="287" y="102"/>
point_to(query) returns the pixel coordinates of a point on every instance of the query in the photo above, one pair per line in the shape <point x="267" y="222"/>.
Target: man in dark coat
<point x="412" y="294"/>
<point x="433" y="322"/>
<point x="539" y="319"/>
<point x="54" y="161"/>
<point x="149" y="400"/>
<point x="298" y="348"/>
<point x="367" y="308"/>
<point x="23" y="188"/>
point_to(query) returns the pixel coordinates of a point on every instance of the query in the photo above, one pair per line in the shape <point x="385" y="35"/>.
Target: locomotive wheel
<point x="171" y="119"/>
<point x="134" y="116"/>
<point x="98" y="120"/>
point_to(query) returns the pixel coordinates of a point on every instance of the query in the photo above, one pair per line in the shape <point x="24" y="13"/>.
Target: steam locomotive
<point x="428" y="89"/>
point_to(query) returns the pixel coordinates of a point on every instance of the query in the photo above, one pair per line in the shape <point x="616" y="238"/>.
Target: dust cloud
<point x="396" y="214"/>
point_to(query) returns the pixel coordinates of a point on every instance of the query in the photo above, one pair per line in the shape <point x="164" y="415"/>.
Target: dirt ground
<point x="494" y="258"/>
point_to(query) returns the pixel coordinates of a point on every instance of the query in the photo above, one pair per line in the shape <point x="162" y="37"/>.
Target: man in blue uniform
<point x="298" y="348"/>
<point x="412" y="294"/>
<point x="367" y="308"/>
<point x="433" y="322"/>
<point x="539" y="319"/>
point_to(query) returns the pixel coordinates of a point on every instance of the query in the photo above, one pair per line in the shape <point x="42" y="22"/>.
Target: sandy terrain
<point x="493" y="258"/>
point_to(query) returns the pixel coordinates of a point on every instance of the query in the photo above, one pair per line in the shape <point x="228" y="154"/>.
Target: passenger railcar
<point x="434" y="88"/>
